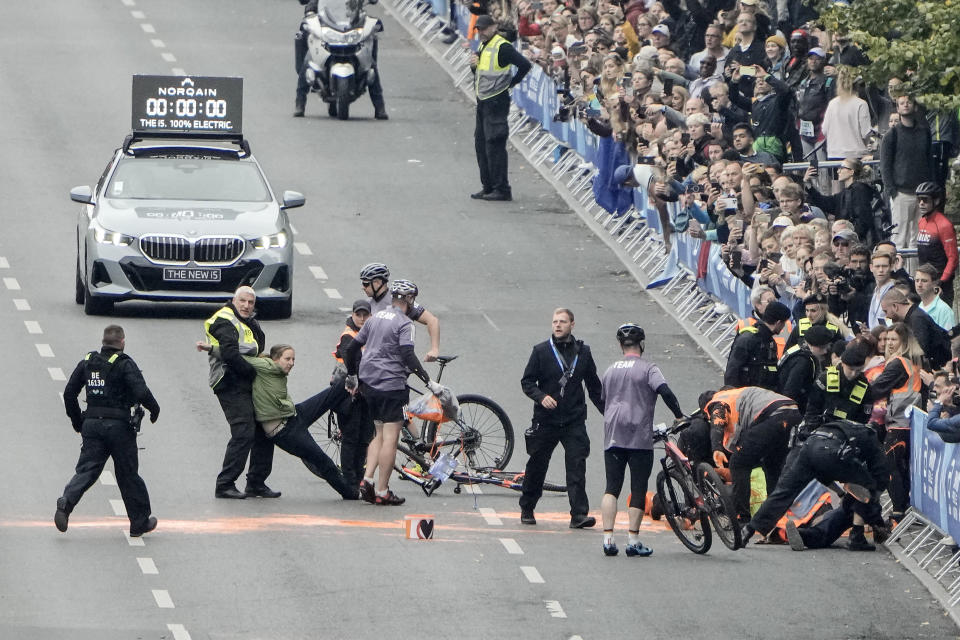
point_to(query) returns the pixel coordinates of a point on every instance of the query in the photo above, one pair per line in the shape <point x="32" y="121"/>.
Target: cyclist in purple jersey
<point x="374" y="279"/>
<point x="383" y="368"/>
<point x="629" y="396"/>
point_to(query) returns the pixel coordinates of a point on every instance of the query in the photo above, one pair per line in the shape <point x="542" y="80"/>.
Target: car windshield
<point x="188" y="179"/>
<point x="340" y="14"/>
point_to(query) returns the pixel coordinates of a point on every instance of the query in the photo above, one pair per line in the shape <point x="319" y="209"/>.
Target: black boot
<point x="299" y="106"/>
<point x="380" y="111"/>
<point x="858" y="542"/>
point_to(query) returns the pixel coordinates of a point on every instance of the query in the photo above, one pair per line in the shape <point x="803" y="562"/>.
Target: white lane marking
<point x="333" y="294"/>
<point x="147" y="27"/>
<point x="168" y="57"/>
<point x="56" y="373"/>
<point x="350" y="309"/>
<point x="11" y="284"/>
<point x="490" y="516"/>
<point x="21" y="304"/>
<point x="177" y="71"/>
<point x="133" y="542"/>
<point x="128" y="3"/>
<point x="107" y="479"/>
<point x="532" y="575"/>
<point x="148" y="566"/>
<point x="318" y="272"/>
<point x="32" y="326"/>
<point x="44" y="350"/>
<point x="118" y="508"/>
<point x="162" y="596"/>
<point x="556" y="611"/>
<point x="512" y="547"/>
<point x="60" y="395"/>
<point x="294" y="229"/>
<point x="472" y="488"/>
<point x="158" y="43"/>
<point x="576" y="638"/>
<point x="4" y="264"/>
<point x="179" y="632"/>
<point x="302" y="248"/>
<point x="490" y="322"/>
<point x="138" y="15"/>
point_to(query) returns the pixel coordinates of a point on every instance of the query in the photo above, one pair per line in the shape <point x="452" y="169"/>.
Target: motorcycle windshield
<point x="341" y="15"/>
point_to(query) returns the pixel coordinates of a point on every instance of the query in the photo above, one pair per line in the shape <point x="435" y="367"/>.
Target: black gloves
<point x="154" y="415"/>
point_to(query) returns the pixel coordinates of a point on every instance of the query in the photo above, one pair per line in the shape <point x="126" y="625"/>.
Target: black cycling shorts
<point x="386" y="406"/>
<point x="616" y="460"/>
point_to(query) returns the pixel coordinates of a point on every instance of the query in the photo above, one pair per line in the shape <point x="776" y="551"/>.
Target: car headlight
<point x="275" y="241"/>
<point x="332" y="36"/>
<point x="105" y="236"/>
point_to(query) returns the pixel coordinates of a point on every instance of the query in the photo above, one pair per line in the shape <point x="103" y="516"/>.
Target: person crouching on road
<point x="287" y="425"/>
<point x="629" y="396"/>
<point x="386" y="362"/>
<point x="554" y="379"/>
<point x="113" y="384"/>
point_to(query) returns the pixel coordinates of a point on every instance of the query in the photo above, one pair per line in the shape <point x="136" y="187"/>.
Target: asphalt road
<point x="308" y="565"/>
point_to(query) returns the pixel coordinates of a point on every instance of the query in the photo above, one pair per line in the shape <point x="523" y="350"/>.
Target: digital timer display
<point x="187" y="104"/>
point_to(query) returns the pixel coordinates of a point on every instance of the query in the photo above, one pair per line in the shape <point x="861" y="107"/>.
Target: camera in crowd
<point x="846" y="279"/>
<point x="567" y="101"/>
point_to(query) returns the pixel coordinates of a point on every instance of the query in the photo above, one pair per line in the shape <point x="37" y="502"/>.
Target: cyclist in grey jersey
<point x="383" y="368"/>
<point x="374" y="278"/>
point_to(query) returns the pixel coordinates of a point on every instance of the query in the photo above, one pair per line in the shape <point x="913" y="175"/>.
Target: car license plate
<point x="176" y="274"/>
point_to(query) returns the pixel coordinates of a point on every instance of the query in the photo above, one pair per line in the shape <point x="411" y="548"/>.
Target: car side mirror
<point x="83" y="195"/>
<point x="291" y="199"/>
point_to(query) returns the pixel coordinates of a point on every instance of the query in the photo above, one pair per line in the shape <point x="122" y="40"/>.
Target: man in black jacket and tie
<point x="554" y="379"/>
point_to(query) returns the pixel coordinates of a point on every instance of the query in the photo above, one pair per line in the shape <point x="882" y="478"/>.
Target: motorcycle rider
<point x="303" y="88"/>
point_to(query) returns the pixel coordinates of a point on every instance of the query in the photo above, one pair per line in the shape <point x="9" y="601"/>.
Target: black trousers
<point x="541" y="441"/>
<point x="897" y="447"/>
<point x="295" y="437"/>
<point x="246" y="439"/>
<point x="825" y="532"/>
<point x="115" y="439"/>
<point x="490" y="141"/>
<point x="817" y="458"/>
<point x="356" y="432"/>
<point x="763" y="444"/>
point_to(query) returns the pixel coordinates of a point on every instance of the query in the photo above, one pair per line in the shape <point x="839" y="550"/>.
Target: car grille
<point x="178" y="250"/>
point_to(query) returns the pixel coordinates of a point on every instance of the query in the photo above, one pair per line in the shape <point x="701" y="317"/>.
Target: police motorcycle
<point x="340" y="48"/>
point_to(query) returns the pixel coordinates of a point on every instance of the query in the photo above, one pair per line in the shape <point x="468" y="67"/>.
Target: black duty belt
<point x="827" y="434"/>
<point x="106" y="412"/>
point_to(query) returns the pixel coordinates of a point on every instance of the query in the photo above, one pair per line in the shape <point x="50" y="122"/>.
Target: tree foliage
<point x="918" y="42"/>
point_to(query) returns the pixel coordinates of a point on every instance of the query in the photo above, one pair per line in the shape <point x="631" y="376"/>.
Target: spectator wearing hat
<point x="840" y="392"/>
<point x="494" y="79"/>
<point x="801" y="365"/>
<point x="778" y="56"/>
<point x="815" y="310"/>
<point x="660" y="37"/>
<point x="796" y="69"/>
<point x="843" y="241"/>
<point x="753" y="354"/>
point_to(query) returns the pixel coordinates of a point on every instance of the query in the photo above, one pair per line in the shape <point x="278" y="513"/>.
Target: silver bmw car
<point x="184" y="219"/>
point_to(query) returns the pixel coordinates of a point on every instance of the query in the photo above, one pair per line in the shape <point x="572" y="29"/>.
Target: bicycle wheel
<point x="328" y="436"/>
<point x="483" y="432"/>
<point x="719" y="503"/>
<point x="690" y="525"/>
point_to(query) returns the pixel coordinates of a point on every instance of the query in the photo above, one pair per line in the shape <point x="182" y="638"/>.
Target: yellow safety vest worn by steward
<point x="492" y="79"/>
<point x="246" y="341"/>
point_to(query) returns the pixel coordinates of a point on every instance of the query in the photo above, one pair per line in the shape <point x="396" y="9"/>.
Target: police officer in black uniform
<point x="113" y="384"/>
<point x="801" y="365"/>
<point x="753" y="356"/>
<point x="815" y="307"/>
<point x="836" y="451"/>
<point x="840" y="393"/>
<point x="554" y="379"/>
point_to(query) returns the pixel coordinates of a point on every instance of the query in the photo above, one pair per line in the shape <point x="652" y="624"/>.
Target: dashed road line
<point x="4" y="263"/>
<point x="147" y="27"/>
<point x="44" y="350"/>
<point x="318" y="272"/>
<point x="118" y="507"/>
<point x="533" y="576"/>
<point x="32" y="326"/>
<point x="56" y="373"/>
<point x="158" y="43"/>
<point x="168" y="57"/>
<point x="162" y="596"/>
<point x="21" y="304"/>
<point x="302" y="248"/>
<point x="490" y="322"/>
<point x="294" y="229"/>
<point x="129" y="3"/>
<point x="148" y="566"/>
<point x="179" y="632"/>
<point x="177" y="71"/>
<point x="512" y="547"/>
<point x="333" y="294"/>
<point x="472" y="488"/>
<point x="107" y="479"/>
<point x="556" y="611"/>
<point x="490" y="516"/>
<point x="11" y="284"/>
<point x="138" y="15"/>
<point x="133" y="542"/>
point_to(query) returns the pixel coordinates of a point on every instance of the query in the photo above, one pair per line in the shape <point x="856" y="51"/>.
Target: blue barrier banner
<point x="722" y="283"/>
<point x="613" y="198"/>
<point x="934" y="475"/>
<point x="441" y="8"/>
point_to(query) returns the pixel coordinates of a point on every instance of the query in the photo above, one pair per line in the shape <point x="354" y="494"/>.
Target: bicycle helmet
<point x="630" y="334"/>
<point x="403" y="288"/>
<point x="374" y="270"/>
<point x="929" y="189"/>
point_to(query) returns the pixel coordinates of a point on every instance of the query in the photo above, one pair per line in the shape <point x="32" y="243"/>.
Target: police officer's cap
<point x="814" y="299"/>
<point x="853" y="356"/>
<point x="818" y="336"/>
<point x="485" y="21"/>
<point x="775" y="312"/>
